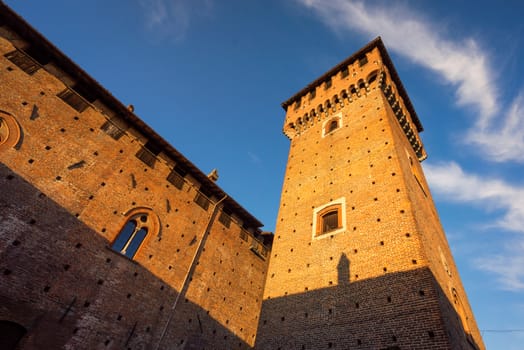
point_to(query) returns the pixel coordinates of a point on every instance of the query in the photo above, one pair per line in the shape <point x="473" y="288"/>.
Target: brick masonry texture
<point x="67" y="190"/>
<point x="387" y="279"/>
<point x="76" y="166"/>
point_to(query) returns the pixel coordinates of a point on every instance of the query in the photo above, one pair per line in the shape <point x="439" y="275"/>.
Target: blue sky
<point x="210" y="75"/>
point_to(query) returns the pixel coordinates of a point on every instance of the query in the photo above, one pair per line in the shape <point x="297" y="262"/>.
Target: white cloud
<point x="507" y="266"/>
<point x="504" y="141"/>
<point x="172" y="18"/>
<point x="451" y="182"/>
<point x="462" y="64"/>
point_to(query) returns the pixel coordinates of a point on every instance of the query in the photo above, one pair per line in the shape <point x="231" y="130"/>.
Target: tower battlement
<point x="359" y="256"/>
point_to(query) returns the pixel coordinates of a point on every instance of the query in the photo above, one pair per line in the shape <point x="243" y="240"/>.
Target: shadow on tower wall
<point x="61" y="286"/>
<point x="401" y="310"/>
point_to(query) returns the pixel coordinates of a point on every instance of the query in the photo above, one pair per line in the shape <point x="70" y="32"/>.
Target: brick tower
<point x="360" y="259"/>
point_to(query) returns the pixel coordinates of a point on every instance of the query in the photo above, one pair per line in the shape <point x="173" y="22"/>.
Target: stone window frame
<point x="326" y="130"/>
<point x="338" y="205"/>
<point x="144" y="219"/>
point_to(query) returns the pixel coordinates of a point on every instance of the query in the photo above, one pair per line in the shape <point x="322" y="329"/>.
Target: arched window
<point x="372" y="77"/>
<point x="332" y="124"/>
<point x="139" y="224"/>
<point x="329" y="218"/>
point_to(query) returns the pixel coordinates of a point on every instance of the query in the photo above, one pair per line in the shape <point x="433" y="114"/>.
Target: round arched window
<point x="331" y="125"/>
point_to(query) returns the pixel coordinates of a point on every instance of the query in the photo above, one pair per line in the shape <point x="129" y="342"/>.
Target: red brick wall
<point x="77" y="183"/>
<point x="388" y="241"/>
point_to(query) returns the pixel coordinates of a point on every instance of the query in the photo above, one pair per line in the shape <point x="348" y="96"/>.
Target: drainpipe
<point x="192" y="266"/>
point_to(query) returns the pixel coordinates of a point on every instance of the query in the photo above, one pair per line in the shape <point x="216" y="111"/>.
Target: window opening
<point x="131" y="236"/>
<point x="345" y="72"/>
<point x="73" y="99"/>
<point x="372" y="78"/>
<point x="297" y="105"/>
<point x="259" y="249"/>
<point x="148" y="153"/>
<point x="202" y="199"/>
<point x="23" y="61"/>
<point x="112" y="130"/>
<point x="331" y="125"/>
<point x="330" y="221"/>
<point x="225" y="218"/>
<point x="312" y="94"/>
<point x="176" y="177"/>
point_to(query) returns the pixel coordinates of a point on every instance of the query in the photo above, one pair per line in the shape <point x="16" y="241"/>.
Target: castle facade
<point x="111" y="239"/>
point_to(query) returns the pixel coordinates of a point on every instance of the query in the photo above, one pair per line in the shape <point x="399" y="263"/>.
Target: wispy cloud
<point x="460" y="62"/>
<point x="254" y="158"/>
<point x="451" y="182"/>
<point x="172" y="18"/>
<point x="507" y="267"/>
<point x="502" y="141"/>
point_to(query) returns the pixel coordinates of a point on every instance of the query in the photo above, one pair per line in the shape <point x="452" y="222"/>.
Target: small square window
<point x="176" y="179"/>
<point x="225" y="219"/>
<point x="112" y="130"/>
<point x="202" y="201"/>
<point x="73" y="99"/>
<point x="23" y="61"/>
<point x="344" y="72"/>
<point x="148" y="153"/>
<point x="332" y="125"/>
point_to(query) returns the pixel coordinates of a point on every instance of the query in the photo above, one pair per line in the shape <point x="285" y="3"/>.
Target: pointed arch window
<point x="138" y="226"/>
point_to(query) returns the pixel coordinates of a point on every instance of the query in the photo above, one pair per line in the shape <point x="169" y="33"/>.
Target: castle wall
<point x="360" y="258"/>
<point x="457" y="315"/>
<point x="70" y="184"/>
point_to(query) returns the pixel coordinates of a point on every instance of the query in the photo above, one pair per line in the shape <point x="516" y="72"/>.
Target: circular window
<point x="9" y="131"/>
